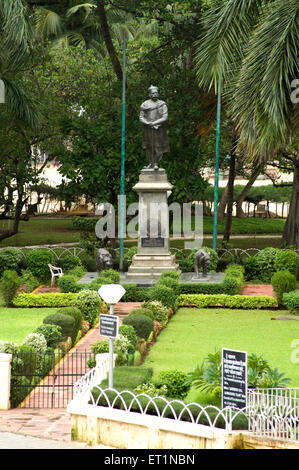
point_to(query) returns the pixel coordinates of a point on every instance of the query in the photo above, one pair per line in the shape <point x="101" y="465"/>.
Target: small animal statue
<point x="103" y="259"/>
<point x="201" y="261"/>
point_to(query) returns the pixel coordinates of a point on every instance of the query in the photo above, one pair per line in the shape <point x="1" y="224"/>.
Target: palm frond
<point x="21" y="106"/>
<point x="48" y="23"/>
<point x="87" y="7"/>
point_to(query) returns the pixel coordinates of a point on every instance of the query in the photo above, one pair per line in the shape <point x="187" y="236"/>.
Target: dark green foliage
<point x="164" y="294"/>
<point x="66" y="322"/>
<point x="10" y="259"/>
<point x="37" y="261"/>
<point x="111" y="275"/>
<point x="143" y="311"/>
<point x="291" y="301"/>
<point x="266" y="263"/>
<point x="68" y="262"/>
<point x="52" y="333"/>
<point x="286" y="260"/>
<point x="135" y="293"/>
<point x="9" y="285"/>
<point x="142" y="324"/>
<point x="172" y="274"/>
<point x="129" y="332"/>
<point x="283" y="281"/>
<point x="68" y="283"/>
<point x="252" y="268"/>
<point x="168" y="282"/>
<point x="76" y="314"/>
<point x="89" y="303"/>
<point x="175" y="381"/>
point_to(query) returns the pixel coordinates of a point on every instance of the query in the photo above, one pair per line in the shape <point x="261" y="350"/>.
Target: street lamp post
<point x="216" y="181"/>
<point x="111" y="294"/>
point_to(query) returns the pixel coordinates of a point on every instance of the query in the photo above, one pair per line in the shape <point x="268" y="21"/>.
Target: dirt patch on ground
<point x="285" y="317"/>
<point x="47" y="290"/>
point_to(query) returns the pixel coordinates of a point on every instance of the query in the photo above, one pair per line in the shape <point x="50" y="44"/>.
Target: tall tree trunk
<point x="108" y="40"/>
<point x="230" y="194"/>
<point x="256" y="172"/>
<point x="290" y="233"/>
<point x="223" y="203"/>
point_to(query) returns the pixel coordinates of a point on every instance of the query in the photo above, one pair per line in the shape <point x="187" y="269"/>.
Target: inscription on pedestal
<point x="152" y="242"/>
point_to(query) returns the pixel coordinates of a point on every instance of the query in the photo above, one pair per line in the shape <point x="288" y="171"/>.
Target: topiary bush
<point x="164" y="294"/>
<point x="176" y="383"/>
<point x="66" y="322"/>
<point x="291" y="301"/>
<point x="37" y="261"/>
<point x="168" y="282"/>
<point x="282" y="282"/>
<point x="68" y="283"/>
<point x="76" y="314"/>
<point x="52" y="334"/>
<point x="266" y="259"/>
<point x="286" y="260"/>
<point x="89" y="303"/>
<point x="142" y="311"/>
<point x="142" y="325"/>
<point x="159" y="310"/>
<point x="9" y="284"/>
<point x="10" y="259"/>
<point x="110" y="274"/>
<point x="38" y="343"/>
<point x="68" y="262"/>
<point x="252" y="268"/>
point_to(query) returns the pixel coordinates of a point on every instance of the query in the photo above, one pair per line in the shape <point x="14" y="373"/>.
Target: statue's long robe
<point x="155" y="141"/>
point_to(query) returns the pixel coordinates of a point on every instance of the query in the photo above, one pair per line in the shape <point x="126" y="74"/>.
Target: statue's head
<point x="153" y="92"/>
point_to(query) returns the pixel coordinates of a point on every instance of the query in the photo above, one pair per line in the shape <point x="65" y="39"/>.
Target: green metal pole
<point x="122" y="173"/>
<point x="215" y="222"/>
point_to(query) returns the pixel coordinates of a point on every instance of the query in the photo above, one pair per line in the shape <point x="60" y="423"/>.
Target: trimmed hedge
<point x="58" y="299"/>
<point x="229" y="301"/>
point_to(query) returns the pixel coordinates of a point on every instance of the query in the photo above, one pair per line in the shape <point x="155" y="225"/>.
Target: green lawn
<point x="38" y="231"/>
<point x="193" y="333"/>
<point x="17" y="323"/>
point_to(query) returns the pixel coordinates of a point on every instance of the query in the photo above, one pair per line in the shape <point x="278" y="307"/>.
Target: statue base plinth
<point x="152" y="266"/>
<point x="201" y="279"/>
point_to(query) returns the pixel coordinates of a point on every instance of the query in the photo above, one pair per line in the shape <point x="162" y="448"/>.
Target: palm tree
<point x="251" y="47"/>
<point x="15" y="47"/>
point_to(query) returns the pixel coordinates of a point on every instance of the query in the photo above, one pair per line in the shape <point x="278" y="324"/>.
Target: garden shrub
<point x="129" y="254"/>
<point x="89" y="303"/>
<point x="98" y="282"/>
<point x="28" y="281"/>
<point x="291" y="301"/>
<point x="159" y="310"/>
<point x="266" y="260"/>
<point x="283" y="281"/>
<point x="228" y="301"/>
<point x="68" y="283"/>
<point x="37" y="342"/>
<point x="142" y="324"/>
<point x="151" y="389"/>
<point x="142" y="311"/>
<point x="37" y="261"/>
<point x="129" y="332"/>
<point x="172" y="274"/>
<point x="66" y="322"/>
<point x="110" y="274"/>
<point x="164" y="294"/>
<point x="252" y="268"/>
<point x="9" y="284"/>
<point x="58" y="299"/>
<point x="77" y="272"/>
<point x="89" y="262"/>
<point x="286" y="260"/>
<point x="121" y="348"/>
<point x="176" y="383"/>
<point x="10" y="259"/>
<point x="135" y="293"/>
<point x="52" y="334"/>
<point x="168" y="282"/>
<point x="76" y="314"/>
<point x="68" y="262"/>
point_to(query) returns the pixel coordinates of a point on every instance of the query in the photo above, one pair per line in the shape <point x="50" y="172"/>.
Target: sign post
<point x="234" y="378"/>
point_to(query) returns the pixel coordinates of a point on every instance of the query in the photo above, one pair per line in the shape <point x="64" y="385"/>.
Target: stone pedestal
<point x="153" y="256"/>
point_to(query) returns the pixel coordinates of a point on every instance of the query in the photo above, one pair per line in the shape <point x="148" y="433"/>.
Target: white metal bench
<point x="55" y="272"/>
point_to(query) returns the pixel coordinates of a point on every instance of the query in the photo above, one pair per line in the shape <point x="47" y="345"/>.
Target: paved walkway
<point x="49" y="423"/>
<point x="258" y="289"/>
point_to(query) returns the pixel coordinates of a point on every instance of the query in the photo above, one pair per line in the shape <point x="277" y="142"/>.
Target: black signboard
<point x="152" y="242"/>
<point x="109" y="325"/>
<point x="234" y="378"/>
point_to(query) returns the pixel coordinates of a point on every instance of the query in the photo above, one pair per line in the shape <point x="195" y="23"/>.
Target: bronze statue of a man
<point x="153" y="116"/>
